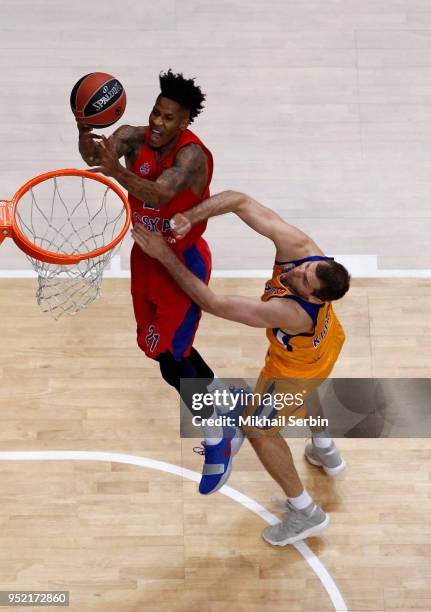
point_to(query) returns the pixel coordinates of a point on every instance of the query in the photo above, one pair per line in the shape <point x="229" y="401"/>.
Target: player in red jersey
<point x="167" y="171"/>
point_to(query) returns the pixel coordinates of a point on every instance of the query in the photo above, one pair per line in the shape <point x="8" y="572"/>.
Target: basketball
<point x="98" y="99"/>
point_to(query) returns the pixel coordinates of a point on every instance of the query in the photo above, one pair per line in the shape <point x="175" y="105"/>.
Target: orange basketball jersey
<point x="304" y="355"/>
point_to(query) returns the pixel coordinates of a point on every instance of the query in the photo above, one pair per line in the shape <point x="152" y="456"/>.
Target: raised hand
<point x="106" y="156"/>
<point x="152" y="243"/>
<point x="180" y="225"/>
<point x="88" y="143"/>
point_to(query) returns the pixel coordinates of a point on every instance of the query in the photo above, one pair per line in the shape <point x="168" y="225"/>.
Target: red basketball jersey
<point x="146" y="166"/>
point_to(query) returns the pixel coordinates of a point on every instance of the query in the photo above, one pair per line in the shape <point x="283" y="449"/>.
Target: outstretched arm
<point x="288" y="239"/>
<point x="274" y="313"/>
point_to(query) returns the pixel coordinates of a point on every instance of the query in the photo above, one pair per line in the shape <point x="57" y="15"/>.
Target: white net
<point x="70" y="215"/>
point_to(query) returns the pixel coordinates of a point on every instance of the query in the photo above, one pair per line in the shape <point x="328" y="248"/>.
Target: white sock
<point x="216" y="384"/>
<point x="213" y="434"/>
<point x="212" y="441"/>
<point x="224" y="391"/>
<point x="302" y="501"/>
<point x="322" y="440"/>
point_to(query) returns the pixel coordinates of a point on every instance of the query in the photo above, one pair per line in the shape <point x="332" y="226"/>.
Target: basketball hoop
<point x="68" y="223"/>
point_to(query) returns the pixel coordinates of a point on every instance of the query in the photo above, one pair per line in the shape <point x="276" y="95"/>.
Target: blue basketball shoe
<point x="218" y="460"/>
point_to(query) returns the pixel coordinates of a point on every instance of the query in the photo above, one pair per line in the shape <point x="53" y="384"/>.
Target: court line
<point x="313" y="561"/>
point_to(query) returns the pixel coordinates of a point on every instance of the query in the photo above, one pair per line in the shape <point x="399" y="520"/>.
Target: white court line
<point x="313" y="561"/>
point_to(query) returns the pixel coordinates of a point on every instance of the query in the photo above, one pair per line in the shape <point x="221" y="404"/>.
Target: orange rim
<point x="56" y="258"/>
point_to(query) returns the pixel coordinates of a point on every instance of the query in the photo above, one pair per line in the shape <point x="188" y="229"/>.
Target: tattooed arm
<point x="127" y="140"/>
<point x="188" y="172"/>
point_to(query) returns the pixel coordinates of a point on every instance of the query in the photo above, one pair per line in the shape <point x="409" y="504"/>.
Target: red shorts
<point x="166" y="317"/>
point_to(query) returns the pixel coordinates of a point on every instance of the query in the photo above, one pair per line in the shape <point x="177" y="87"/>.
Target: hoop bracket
<point x="6" y="216"/>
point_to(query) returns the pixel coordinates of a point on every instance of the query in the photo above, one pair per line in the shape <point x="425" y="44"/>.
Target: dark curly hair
<point x="334" y="281"/>
<point x="181" y="90"/>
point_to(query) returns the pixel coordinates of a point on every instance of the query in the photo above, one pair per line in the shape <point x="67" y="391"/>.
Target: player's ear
<point x="185" y="121"/>
<point x="314" y="300"/>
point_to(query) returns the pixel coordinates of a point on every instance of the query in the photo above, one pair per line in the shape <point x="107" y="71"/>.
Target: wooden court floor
<point x="123" y="538"/>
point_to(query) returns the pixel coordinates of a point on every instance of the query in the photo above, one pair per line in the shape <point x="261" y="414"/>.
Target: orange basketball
<point x="98" y="99"/>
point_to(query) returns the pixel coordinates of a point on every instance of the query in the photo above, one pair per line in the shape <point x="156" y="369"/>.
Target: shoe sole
<point x="308" y="533"/>
<point x="329" y="471"/>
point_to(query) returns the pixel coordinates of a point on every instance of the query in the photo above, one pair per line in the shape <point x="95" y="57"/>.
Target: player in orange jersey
<point x="303" y="330"/>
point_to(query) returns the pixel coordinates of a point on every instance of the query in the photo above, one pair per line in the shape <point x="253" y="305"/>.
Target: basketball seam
<point x="73" y="96"/>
